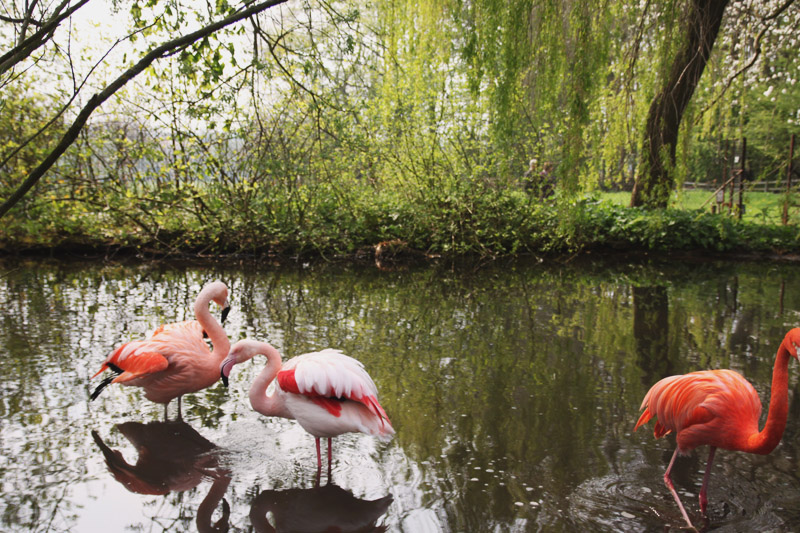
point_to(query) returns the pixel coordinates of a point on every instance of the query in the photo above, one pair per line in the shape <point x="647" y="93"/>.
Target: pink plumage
<point x="175" y="359"/>
<point x="327" y="392"/>
<point x="714" y="407"/>
<point x="721" y="409"/>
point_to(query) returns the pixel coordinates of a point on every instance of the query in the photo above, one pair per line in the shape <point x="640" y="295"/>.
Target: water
<point x="513" y="388"/>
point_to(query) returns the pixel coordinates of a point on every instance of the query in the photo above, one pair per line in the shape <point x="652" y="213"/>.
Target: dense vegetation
<point x="328" y="128"/>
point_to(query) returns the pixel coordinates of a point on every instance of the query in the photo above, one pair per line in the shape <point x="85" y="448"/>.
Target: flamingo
<point x="327" y="392"/>
<point x="719" y="408"/>
<point x="175" y="359"/>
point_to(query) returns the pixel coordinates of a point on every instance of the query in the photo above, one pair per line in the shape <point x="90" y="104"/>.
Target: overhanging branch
<point x="96" y="100"/>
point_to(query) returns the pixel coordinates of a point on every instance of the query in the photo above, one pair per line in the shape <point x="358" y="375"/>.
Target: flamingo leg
<point x="671" y="488"/>
<point x="330" y="457"/>
<point x="319" y="456"/>
<point x="706" y="477"/>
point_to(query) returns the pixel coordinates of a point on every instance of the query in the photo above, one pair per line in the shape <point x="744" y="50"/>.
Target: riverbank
<point x="501" y="225"/>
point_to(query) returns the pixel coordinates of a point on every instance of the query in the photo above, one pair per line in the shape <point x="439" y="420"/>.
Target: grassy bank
<point x="463" y="219"/>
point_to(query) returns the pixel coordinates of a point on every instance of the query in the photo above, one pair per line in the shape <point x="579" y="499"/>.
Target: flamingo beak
<point x="225" y="311"/>
<point x="225" y="370"/>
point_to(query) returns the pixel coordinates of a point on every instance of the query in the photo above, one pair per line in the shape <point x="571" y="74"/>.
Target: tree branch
<point x="96" y="100"/>
<point x="28" y="45"/>
<point x="750" y="62"/>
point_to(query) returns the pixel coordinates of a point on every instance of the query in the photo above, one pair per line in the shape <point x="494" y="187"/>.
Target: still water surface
<point x="513" y="388"/>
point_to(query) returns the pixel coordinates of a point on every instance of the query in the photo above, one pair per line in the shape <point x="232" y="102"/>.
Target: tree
<point x="701" y="25"/>
<point x="26" y="45"/>
<point x="655" y="179"/>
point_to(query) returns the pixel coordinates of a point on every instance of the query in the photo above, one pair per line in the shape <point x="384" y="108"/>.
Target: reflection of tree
<point x="651" y="332"/>
<point x="172" y="457"/>
<point x="320" y="509"/>
<point x="517" y="375"/>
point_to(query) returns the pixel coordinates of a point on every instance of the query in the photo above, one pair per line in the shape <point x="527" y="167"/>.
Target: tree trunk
<point x="655" y="180"/>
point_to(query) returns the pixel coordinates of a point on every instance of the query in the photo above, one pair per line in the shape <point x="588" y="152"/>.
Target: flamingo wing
<point x="705" y="407"/>
<point x="327" y="377"/>
<point x="139" y="358"/>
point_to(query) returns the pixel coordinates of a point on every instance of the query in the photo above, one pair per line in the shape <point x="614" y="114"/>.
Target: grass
<point x="760" y="207"/>
<point x="456" y="218"/>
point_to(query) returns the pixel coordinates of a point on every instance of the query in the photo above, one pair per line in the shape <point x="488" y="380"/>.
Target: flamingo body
<point x="715" y="407"/>
<point x="719" y="408"/>
<point x="330" y="393"/>
<point x="175" y="359"/>
<point x="327" y="392"/>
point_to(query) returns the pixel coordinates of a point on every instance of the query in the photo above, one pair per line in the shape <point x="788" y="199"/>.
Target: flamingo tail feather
<point x="107" y="381"/>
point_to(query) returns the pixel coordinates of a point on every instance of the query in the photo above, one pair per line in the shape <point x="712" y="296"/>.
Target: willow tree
<point x="539" y="66"/>
<point x="655" y="180"/>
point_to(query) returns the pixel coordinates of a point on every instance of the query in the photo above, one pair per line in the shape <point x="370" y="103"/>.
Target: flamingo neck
<point x="768" y="438"/>
<point x="268" y="405"/>
<point x="219" y="339"/>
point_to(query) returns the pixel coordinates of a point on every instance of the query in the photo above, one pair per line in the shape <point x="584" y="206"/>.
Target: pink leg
<point x="319" y="462"/>
<point x="704" y="488"/>
<point x="671" y="488"/>
<point x="319" y="456"/>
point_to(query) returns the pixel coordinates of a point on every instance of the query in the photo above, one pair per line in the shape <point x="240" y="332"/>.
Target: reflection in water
<point x="514" y="390"/>
<point x="317" y="510"/>
<point x="651" y="331"/>
<point x="172" y="457"/>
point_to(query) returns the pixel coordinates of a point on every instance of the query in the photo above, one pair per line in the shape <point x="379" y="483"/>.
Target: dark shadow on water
<point x="325" y="508"/>
<point x="172" y="457"/>
<point x="651" y="332"/>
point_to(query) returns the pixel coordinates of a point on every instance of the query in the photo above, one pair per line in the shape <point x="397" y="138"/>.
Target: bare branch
<point x="28" y="45"/>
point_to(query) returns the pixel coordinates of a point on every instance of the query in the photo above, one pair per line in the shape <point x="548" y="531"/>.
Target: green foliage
<point x="327" y="128"/>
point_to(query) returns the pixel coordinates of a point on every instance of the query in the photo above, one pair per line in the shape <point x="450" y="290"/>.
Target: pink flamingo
<point x="175" y="359"/>
<point x="719" y="408"/>
<point x="327" y="392"/>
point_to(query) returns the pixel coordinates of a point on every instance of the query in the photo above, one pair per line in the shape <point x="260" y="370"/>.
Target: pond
<point x="513" y="388"/>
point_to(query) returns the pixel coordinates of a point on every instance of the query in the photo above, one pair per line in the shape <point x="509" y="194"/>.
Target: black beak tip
<point x="225" y="314"/>
<point x="224" y="379"/>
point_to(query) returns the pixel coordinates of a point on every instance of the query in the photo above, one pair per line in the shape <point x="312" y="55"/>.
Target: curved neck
<point x="219" y="339"/>
<point x="768" y="438"/>
<point x="261" y="402"/>
<point x="206" y="509"/>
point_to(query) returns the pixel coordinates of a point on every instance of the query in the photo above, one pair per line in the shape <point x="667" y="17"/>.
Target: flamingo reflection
<point x="172" y="457"/>
<point x="320" y="509"/>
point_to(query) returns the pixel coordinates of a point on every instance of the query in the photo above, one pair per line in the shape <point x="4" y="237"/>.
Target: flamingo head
<point x="217" y="292"/>
<point x="245" y="350"/>
<point x="220" y="297"/>
<point x="239" y="353"/>
<point x="791" y="343"/>
<point x="225" y="369"/>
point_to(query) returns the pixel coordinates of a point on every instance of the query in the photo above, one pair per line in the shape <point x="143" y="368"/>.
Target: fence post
<point x="741" y="180"/>
<point x="731" y="178"/>
<point x="785" y="218"/>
